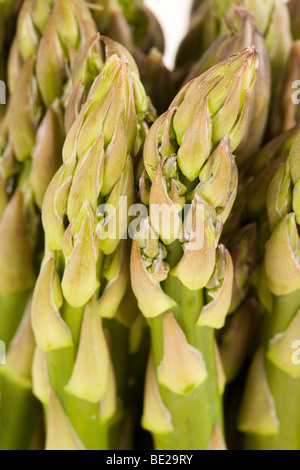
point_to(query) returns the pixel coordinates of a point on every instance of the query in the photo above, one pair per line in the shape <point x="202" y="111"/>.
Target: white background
<point x="173" y="16"/>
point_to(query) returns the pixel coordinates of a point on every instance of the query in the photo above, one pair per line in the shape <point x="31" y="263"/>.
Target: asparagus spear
<point x="270" y="409"/>
<point x="84" y="274"/>
<point x="243" y="331"/>
<point x="48" y="34"/>
<point x="188" y="157"/>
<point x="246" y="232"/>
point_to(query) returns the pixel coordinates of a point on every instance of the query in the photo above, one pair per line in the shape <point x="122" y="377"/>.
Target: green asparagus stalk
<point x="85" y="272"/>
<point x="48" y="34"/>
<point x="243" y="32"/>
<point x="184" y="288"/>
<point x="270" y="408"/>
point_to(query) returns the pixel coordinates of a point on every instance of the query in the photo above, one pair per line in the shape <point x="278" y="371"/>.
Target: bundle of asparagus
<point x="188" y="157"/>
